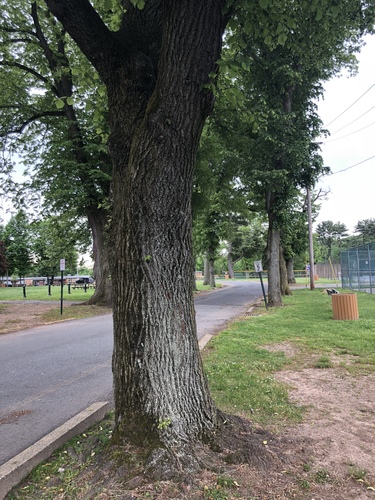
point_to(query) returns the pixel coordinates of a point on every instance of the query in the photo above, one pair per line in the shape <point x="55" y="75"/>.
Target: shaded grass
<point x="41" y="293"/>
<point x="74" y="312"/>
<point x="240" y="368"/>
<point x="201" y="287"/>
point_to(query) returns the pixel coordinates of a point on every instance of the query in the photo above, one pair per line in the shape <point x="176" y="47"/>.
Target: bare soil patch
<point x="15" y="316"/>
<point x="329" y="456"/>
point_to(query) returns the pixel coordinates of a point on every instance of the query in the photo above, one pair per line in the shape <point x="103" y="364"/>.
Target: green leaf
<point x="101" y="90"/>
<point x="70" y="101"/>
<point x="263" y="3"/>
<point x="59" y="103"/>
<point x="268" y="40"/>
<point x="282" y="39"/>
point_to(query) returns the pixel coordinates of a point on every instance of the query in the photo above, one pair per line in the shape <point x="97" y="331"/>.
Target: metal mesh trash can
<point x="345" y="306"/>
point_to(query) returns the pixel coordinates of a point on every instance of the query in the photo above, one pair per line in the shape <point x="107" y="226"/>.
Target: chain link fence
<point x="358" y="268"/>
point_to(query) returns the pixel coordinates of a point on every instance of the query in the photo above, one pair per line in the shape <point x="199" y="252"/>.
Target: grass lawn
<point x="41" y="293"/>
<point x="240" y="367"/>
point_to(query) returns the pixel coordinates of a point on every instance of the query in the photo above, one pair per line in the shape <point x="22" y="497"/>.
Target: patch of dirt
<point x="15" y="316"/>
<point x="340" y="420"/>
<point x="329" y="456"/>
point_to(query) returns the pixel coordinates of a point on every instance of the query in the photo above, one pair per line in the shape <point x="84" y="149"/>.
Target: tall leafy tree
<point x="52" y="97"/>
<point x="366" y="230"/>
<point x="18" y="243"/>
<point x="283" y="81"/>
<point x="56" y="238"/>
<point x="155" y="67"/>
<point x="330" y="233"/>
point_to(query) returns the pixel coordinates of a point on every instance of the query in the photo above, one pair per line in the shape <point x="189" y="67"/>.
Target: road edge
<point x="17" y="468"/>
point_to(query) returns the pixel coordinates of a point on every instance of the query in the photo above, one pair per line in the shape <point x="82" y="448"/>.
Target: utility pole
<point x="311" y="244"/>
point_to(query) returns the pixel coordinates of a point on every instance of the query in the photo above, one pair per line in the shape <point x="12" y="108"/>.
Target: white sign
<point x="62" y="264"/>
<point x="258" y="266"/>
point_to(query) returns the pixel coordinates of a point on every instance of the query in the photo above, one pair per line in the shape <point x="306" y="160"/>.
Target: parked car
<point x="82" y="281"/>
<point x="6" y="283"/>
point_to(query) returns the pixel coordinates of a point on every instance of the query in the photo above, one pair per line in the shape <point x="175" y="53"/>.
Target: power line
<point x="352" y="166"/>
<point x="342" y="128"/>
<point x="347" y="135"/>
<point x="345" y="110"/>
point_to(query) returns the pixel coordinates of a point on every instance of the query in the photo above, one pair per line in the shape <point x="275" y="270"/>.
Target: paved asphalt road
<point x="51" y="373"/>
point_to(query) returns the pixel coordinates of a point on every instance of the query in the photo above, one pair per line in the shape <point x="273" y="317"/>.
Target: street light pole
<point x="311" y="244"/>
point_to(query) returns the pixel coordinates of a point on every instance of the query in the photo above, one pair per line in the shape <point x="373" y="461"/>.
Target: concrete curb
<point x="16" y="469"/>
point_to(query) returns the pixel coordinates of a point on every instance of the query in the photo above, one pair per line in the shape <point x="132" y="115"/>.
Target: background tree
<point x="219" y="204"/>
<point x="55" y="238"/>
<point x="282" y="83"/>
<point x="246" y="245"/>
<point x="366" y="230"/>
<point x="17" y="240"/>
<point x="330" y="234"/>
<point x="54" y="97"/>
<point x="4" y="266"/>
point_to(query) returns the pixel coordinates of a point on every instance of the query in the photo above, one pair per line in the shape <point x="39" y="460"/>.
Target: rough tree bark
<point x="209" y="268"/>
<point x="273" y="255"/>
<point x="155" y="69"/>
<point x="284" y="285"/>
<point x="230" y="261"/>
<point x="290" y="270"/>
<point x="98" y="221"/>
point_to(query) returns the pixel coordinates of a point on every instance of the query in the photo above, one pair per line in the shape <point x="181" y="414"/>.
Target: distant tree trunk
<point x="273" y="255"/>
<point x="284" y="286"/>
<point x="206" y="271"/>
<point x="230" y="261"/>
<point x="290" y="270"/>
<point x="209" y="269"/>
<point x="274" y="289"/>
<point x="98" y="220"/>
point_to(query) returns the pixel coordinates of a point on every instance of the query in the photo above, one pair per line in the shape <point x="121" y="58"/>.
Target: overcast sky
<point x="352" y="141"/>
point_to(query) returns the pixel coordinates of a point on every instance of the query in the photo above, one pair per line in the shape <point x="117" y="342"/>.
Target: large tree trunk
<point x="273" y="263"/>
<point x="158" y="102"/>
<point x="98" y="220"/>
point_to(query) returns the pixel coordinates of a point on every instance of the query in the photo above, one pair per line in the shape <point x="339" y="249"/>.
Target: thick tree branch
<point x="31" y="71"/>
<point x="37" y="116"/>
<point x="16" y="30"/>
<point x="42" y="40"/>
<point x="88" y="30"/>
